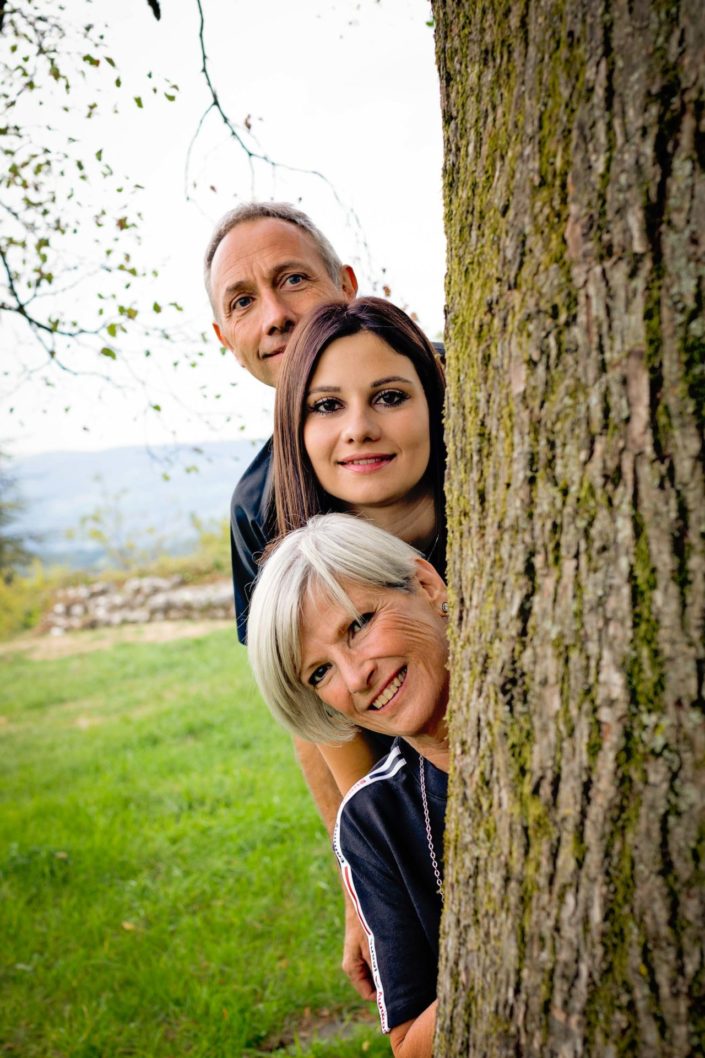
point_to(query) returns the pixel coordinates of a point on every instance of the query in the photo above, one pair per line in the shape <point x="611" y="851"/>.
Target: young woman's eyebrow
<point x="373" y="385"/>
<point x="324" y="389"/>
<point x="390" y="378"/>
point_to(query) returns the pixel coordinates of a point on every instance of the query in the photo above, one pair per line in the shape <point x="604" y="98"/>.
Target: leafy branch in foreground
<point x="69" y="221"/>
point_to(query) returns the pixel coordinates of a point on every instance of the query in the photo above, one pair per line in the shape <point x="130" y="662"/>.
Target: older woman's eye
<point x="325" y="406"/>
<point x="360" y="622"/>
<point x="317" y="675"/>
<point x="391" y="398"/>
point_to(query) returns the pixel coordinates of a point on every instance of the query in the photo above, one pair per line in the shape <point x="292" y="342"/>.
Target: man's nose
<point x="276" y="314"/>
<point x="360" y="424"/>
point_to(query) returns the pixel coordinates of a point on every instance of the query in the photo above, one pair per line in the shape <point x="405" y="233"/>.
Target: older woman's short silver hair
<point x="329" y="549"/>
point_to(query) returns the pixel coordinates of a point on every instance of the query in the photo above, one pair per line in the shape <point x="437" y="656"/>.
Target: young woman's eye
<point x="360" y="622"/>
<point x="317" y="675"/>
<point x="391" y="398"/>
<point x="325" y="405"/>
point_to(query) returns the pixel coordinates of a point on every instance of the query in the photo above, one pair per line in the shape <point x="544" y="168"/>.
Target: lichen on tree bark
<point x="575" y="216"/>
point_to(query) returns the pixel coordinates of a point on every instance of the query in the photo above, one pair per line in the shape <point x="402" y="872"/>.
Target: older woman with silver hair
<point x="347" y="630"/>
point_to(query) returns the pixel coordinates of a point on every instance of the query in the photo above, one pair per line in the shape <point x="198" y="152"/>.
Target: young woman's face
<point x="366" y="423"/>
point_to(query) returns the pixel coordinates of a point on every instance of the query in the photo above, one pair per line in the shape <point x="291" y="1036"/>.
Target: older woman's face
<point x="386" y="670"/>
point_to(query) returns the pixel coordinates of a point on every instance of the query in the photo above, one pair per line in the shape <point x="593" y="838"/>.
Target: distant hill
<point x="131" y="486"/>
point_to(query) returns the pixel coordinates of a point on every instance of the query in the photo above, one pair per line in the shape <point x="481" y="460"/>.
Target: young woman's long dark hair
<point x="297" y="493"/>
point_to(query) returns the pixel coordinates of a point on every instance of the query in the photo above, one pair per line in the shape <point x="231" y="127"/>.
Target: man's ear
<point x="430" y="582"/>
<point x="348" y="281"/>
<point x="226" y="345"/>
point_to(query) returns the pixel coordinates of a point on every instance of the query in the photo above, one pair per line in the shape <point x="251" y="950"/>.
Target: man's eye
<point x="295" y="279"/>
<point x="317" y="675"/>
<point x="241" y="303"/>
<point x="325" y="406"/>
<point x="391" y="398"/>
<point x="360" y="622"/>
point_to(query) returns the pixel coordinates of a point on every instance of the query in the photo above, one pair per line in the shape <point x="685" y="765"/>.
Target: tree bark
<point x="575" y="217"/>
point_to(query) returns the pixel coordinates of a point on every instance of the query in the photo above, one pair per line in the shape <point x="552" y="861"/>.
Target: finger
<point x="361" y="979"/>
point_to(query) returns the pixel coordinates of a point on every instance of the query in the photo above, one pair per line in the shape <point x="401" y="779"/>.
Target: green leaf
<point x="107" y="351"/>
<point x="112" y="330"/>
<point x="99" y="155"/>
<point x="91" y="60"/>
<point x="138" y="101"/>
<point x="156" y="307"/>
<point x="156" y="407"/>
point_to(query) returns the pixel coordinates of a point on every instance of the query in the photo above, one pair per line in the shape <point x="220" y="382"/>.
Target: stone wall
<point x="138" y="601"/>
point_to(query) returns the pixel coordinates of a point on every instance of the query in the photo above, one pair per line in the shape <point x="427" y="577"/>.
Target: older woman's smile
<point x="390" y="691"/>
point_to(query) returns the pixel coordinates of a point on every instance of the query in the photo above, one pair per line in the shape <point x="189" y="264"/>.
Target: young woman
<point x="348" y="630"/>
<point x="359" y="424"/>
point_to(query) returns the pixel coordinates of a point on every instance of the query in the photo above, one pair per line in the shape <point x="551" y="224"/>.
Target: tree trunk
<point x="575" y="216"/>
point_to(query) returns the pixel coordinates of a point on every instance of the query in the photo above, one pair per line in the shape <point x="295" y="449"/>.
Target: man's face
<point x="266" y="274"/>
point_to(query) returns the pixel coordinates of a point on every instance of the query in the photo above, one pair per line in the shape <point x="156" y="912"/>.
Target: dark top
<point x="251" y="529"/>
<point x="381" y="844"/>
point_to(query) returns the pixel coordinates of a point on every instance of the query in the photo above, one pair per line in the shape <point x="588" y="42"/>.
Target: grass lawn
<point x="166" y="887"/>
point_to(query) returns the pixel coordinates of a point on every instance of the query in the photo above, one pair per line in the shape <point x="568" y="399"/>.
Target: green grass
<point x="166" y="887"/>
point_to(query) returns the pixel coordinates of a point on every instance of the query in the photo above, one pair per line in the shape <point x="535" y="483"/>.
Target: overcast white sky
<point x="347" y="89"/>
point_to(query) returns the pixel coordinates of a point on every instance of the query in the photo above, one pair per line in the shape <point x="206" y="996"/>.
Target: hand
<point x="356" y="955"/>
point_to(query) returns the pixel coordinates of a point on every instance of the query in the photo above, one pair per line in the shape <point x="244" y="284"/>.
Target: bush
<point x="25" y="597"/>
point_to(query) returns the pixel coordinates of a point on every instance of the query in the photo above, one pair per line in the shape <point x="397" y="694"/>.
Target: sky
<point x="347" y="90"/>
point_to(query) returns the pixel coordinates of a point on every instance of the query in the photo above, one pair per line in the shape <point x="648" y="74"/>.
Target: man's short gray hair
<point x="328" y="549"/>
<point x="275" y="211"/>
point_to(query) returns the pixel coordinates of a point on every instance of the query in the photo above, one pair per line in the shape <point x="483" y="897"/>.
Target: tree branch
<point x="252" y="155"/>
<point x="20" y="307"/>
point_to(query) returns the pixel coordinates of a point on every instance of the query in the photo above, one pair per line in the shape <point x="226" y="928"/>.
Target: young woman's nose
<point x="360" y="424"/>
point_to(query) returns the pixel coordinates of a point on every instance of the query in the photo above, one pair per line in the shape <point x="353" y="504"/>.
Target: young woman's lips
<point x="366" y="464"/>
<point x="390" y="691"/>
